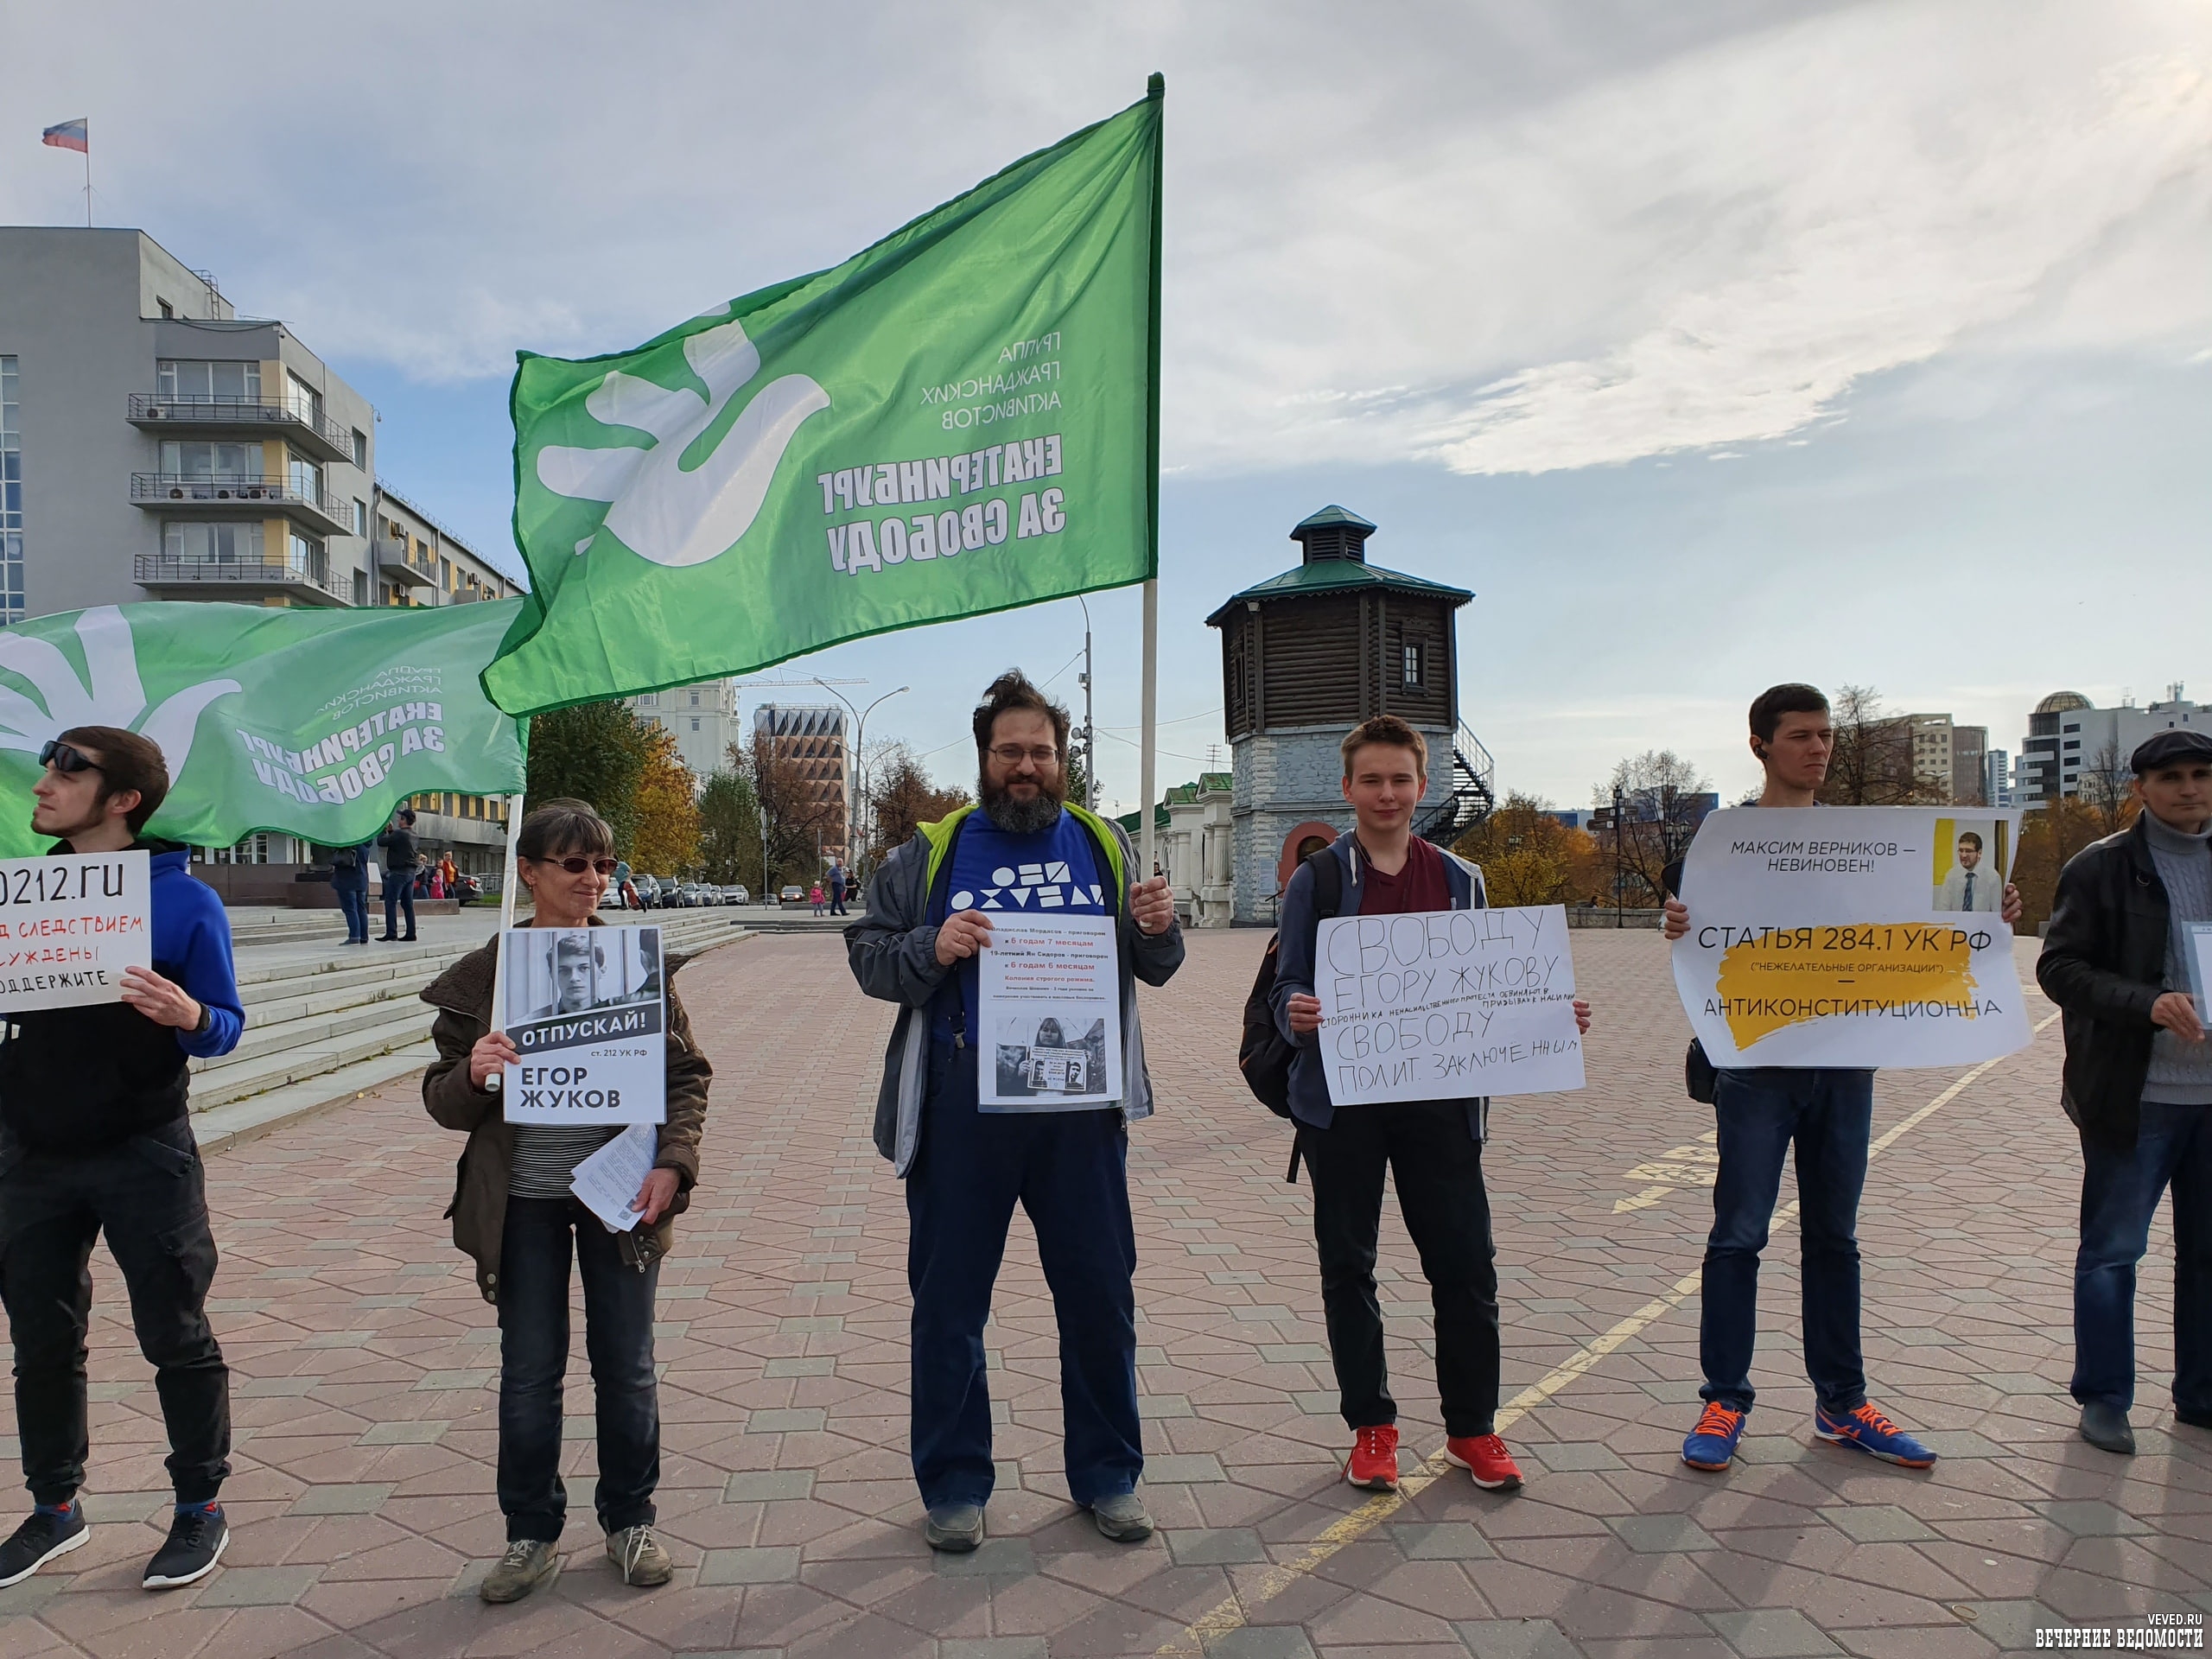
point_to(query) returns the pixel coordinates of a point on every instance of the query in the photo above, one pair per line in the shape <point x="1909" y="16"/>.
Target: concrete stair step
<point x="368" y="980"/>
<point x="321" y="1026"/>
<point x="239" y="1120"/>
<point x="233" y="1078"/>
<point x="344" y="958"/>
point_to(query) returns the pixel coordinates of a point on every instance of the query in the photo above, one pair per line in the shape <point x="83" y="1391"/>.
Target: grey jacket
<point x="892" y="950"/>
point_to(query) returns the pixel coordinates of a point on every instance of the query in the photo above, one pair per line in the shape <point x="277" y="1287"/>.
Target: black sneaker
<point x="197" y="1539"/>
<point x="39" y="1540"/>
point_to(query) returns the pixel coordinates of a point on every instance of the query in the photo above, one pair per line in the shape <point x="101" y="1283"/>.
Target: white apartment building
<point x="702" y="718"/>
<point x="2071" y="743"/>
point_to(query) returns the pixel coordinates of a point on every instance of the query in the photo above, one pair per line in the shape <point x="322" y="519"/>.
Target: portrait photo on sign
<point x="571" y="970"/>
<point x="1971" y="857"/>
<point x="1051" y="1051"/>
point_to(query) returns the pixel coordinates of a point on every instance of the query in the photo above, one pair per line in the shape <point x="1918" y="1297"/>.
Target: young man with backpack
<point x="1432" y="1148"/>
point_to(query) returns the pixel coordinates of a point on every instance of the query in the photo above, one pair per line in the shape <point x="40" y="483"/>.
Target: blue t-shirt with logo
<point x="1051" y="872"/>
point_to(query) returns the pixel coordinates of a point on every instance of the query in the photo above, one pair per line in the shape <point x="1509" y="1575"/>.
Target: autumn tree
<point x="1653" y="801"/>
<point x="1873" y="763"/>
<point x="594" y="751"/>
<point x="1529" y="857"/>
<point x="666" y="838"/>
<point x="729" y="831"/>
<point x="2048" y="836"/>
<point x="902" y="796"/>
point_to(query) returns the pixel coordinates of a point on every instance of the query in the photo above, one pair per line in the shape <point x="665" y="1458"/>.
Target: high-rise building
<point x="1969" y="775"/>
<point x="1995" y="778"/>
<point x="813" y="738"/>
<point x="1933" y="742"/>
<point x="702" y="718"/>
<point x="154" y="444"/>
<point x="2073" y="748"/>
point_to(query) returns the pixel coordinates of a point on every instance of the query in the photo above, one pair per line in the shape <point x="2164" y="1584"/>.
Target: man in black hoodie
<point x="94" y="1138"/>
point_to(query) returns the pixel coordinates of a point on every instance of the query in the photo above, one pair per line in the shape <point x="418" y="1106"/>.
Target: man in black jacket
<point x="400" y="858"/>
<point x="2139" y="1078"/>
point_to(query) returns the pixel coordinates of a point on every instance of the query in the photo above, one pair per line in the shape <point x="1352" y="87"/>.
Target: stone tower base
<point x="1288" y="784"/>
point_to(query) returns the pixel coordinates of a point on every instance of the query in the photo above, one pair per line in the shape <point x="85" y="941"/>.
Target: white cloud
<point x="1713" y="249"/>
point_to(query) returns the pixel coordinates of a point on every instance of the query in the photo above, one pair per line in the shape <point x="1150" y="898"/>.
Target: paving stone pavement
<point x="365" y="1367"/>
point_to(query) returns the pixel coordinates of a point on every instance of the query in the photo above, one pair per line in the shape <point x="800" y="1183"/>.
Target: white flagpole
<point x="1150" y="718"/>
<point x="507" y="885"/>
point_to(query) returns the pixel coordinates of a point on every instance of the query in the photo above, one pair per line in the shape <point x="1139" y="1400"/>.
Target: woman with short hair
<point x="513" y="1212"/>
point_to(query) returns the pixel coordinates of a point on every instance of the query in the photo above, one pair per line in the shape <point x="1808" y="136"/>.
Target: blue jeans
<point x="534" y="1357"/>
<point x="1070" y="1171"/>
<point x="2119" y="1195"/>
<point x="354" y="902"/>
<point x="1829" y="1115"/>
<point x="398" y="894"/>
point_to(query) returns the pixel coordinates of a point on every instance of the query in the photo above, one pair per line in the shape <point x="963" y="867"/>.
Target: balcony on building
<point x="299" y="578"/>
<point x="298" y="422"/>
<point x="395" y="564"/>
<point x="227" y="494"/>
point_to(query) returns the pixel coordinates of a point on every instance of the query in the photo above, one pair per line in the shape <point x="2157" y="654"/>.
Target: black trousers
<point x="150" y="1196"/>
<point x="534" y="1264"/>
<point x="1438" y="1166"/>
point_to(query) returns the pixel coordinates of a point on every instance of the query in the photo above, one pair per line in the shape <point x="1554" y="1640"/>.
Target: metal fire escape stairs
<point x="1474" y="792"/>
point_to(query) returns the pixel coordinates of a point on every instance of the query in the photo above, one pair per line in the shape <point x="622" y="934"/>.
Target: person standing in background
<point x="401" y="859"/>
<point x="349" y="880"/>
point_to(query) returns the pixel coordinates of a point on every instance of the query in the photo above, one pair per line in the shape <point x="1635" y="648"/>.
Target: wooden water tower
<point x="1306" y="656"/>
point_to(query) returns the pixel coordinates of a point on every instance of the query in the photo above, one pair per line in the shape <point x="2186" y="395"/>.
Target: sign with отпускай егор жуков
<point x="1446" y="1005"/>
<point x="587" y="1009"/>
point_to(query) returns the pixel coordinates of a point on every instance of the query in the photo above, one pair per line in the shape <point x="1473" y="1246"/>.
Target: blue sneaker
<point x="1873" y="1434"/>
<point x="1711" y="1443"/>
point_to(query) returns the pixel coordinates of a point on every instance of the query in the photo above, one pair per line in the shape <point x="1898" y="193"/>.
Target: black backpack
<point x="1262" y="1055"/>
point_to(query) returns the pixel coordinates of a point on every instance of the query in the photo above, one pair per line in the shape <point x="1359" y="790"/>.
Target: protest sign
<point x="1049" y="1003"/>
<point x="70" y="926"/>
<point x="585" y="1008"/>
<point x="607" y="1181"/>
<point x="2200" y="967"/>
<point x="1851" y="936"/>
<point x="1445" y="1004"/>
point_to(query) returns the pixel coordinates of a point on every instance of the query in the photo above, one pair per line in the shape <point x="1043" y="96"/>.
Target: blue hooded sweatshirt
<point x="85" y="1078"/>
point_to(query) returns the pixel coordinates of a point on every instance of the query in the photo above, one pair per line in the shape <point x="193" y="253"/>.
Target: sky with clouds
<point x="1710" y="344"/>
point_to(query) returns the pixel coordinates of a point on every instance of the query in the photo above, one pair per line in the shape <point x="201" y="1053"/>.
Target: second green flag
<point x="960" y="419"/>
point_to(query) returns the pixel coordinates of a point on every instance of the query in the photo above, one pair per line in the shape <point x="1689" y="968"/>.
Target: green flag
<point x="309" y="723"/>
<point x="960" y="419"/>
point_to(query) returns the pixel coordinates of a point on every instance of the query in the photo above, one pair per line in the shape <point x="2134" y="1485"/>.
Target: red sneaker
<point x="1484" y="1456"/>
<point x="1373" y="1460"/>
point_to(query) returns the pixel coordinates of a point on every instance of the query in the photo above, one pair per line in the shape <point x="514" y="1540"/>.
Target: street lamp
<point x="1089" y="732"/>
<point x="860" y="733"/>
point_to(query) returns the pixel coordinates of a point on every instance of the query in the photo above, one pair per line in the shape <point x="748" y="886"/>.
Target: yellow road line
<point x="1235" y="1612"/>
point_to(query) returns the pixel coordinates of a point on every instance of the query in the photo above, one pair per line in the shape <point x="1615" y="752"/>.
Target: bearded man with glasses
<point x="1026" y="849"/>
<point x="94" y="1137"/>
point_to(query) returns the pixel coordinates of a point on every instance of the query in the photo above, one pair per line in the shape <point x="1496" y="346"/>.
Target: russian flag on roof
<point x="70" y="135"/>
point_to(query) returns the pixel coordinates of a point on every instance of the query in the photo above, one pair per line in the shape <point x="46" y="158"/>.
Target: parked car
<point x="699" y="896"/>
<point x="671" y="893"/>
<point x="736" y="895"/>
<point x="467" y="889"/>
<point x="792" y="895"/>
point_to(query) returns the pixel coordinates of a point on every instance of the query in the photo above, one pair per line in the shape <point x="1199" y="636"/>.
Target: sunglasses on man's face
<point x="63" y="759"/>
<point x="576" y="864"/>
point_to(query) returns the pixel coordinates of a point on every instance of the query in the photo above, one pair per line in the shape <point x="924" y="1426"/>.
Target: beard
<point x="1022" y="817"/>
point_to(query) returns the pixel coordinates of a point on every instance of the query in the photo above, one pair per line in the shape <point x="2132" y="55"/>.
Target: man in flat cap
<point x="2139" y="1078"/>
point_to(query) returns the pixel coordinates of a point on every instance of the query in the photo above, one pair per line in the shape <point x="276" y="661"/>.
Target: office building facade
<point x="702" y="719"/>
<point x="811" y="738"/>
<point x="2074" y="749"/>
